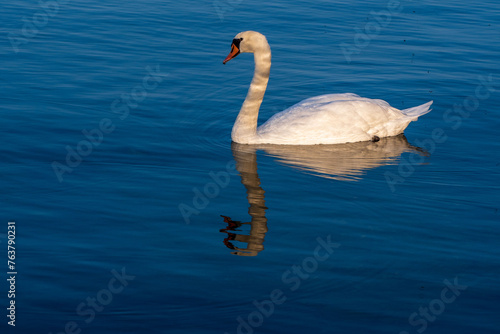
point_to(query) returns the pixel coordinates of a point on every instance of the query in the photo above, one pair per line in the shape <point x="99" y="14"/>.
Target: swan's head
<point x="248" y="41"/>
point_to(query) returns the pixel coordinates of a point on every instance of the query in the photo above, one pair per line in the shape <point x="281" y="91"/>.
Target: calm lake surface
<point x="134" y="212"/>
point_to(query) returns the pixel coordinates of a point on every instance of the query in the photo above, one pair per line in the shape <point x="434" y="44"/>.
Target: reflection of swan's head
<point x="248" y="41"/>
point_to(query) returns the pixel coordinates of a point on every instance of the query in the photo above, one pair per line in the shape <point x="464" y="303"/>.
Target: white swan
<point x="324" y="119"/>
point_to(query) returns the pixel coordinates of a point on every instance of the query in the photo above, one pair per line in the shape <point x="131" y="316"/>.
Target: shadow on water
<point x="343" y="162"/>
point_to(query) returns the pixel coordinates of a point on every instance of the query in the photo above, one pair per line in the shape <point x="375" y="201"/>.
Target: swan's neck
<point x="245" y="127"/>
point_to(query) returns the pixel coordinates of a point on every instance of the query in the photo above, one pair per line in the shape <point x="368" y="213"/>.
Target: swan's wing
<point x="332" y="118"/>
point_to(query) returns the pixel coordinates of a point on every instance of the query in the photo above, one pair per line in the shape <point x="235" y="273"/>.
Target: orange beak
<point x="234" y="52"/>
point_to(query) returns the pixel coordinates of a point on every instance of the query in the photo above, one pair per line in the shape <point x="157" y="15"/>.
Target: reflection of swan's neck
<point x="246" y="164"/>
<point x="245" y="127"/>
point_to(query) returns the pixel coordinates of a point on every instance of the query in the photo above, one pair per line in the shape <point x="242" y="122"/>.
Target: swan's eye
<point x="237" y="42"/>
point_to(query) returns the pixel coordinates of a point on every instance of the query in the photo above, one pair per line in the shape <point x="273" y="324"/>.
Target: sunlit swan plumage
<point x="324" y="119"/>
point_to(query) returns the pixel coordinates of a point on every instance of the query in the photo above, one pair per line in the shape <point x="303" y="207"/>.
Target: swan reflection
<point x="246" y="164"/>
<point x="345" y="162"/>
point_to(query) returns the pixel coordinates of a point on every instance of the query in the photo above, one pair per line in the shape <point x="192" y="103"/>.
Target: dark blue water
<point x="135" y="214"/>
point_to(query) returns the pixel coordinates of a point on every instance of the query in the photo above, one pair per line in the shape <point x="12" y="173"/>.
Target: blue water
<point x="117" y="167"/>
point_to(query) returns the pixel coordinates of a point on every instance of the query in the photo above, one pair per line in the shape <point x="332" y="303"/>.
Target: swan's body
<point x="324" y="119"/>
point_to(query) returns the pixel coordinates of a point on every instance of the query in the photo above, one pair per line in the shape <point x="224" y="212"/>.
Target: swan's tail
<point x="418" y="111"/>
